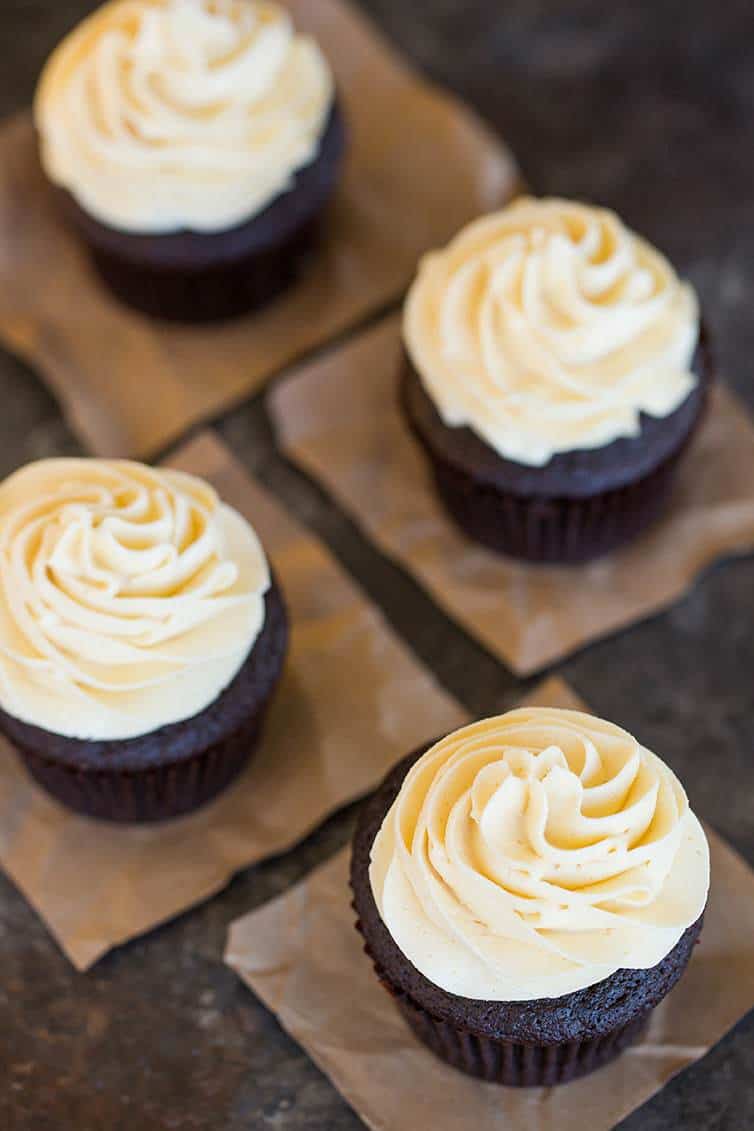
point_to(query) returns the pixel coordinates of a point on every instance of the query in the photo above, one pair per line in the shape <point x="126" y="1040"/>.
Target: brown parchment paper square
<point x="352" y="697"/>
<point x="420" y="165"/>
<point x="302" y="956"/>
<point x="338" y="418"/>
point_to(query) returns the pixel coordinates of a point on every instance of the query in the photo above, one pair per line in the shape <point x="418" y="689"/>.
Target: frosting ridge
<point x="163" y="115"/>
<point x="550" y="327"/>
<point x="129" y="597"/>
<point x="534" y="854"/>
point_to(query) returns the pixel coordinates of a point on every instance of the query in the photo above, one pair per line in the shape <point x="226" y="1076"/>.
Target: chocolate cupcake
<point x="195" y="146"/>
<point x="529" y="889"/>
<point x="554" y="374"/>
<point x="141" y="636"/>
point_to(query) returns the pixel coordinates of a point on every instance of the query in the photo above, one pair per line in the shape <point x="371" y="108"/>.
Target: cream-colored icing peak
<point x="550" y="327"/>
<point x="161" y="115"/>
<point x="534" y="854"/>
<point x="129" y="597"/>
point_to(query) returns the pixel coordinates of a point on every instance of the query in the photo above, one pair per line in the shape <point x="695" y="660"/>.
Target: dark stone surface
<point x="649" y="108"/>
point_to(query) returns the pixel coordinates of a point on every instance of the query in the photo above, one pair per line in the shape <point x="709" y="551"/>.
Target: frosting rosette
<point x="162" y="115"/>
<point x="534" y="854"/>
<point x="550" y="327"/>
<point x="129" y="597"/>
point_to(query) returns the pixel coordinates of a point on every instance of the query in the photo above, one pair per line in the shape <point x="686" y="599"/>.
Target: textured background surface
<point x="646" y="107"/>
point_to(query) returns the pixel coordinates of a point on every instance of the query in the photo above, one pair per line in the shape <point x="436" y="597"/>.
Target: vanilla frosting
<point x="161" y="115"/>
<point x="129" y="597"/>
<point x="534" y="854"/>
<point x="550" y="327"/>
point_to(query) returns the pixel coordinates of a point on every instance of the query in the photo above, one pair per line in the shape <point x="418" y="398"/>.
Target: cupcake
<point x="554" y="374"/>
<point x="529" y="889"/>
<point x="195" y="145"/>
<point x="141" y="636"/>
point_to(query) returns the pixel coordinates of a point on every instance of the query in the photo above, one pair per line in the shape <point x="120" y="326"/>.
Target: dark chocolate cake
<point x="543" y="1041"/>
<point x="204" y="277"/>
<point x="170" y="771"/>
<point x="579" y="506"/>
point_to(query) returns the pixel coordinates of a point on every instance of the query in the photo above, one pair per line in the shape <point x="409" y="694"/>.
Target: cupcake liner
<point x="567" y="531"/>
<point x="514" y="1063"/>
<point x="517" y="1065"/>
<point x="156" y="793"/>
<point x="208" y="294"/>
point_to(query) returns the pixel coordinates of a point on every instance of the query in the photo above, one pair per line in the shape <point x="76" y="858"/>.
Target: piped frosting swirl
<point x="534" y="854"/>
<point x="550" y="327"/>
<point x="129" y="597"/>
<point x="162" y="115"/>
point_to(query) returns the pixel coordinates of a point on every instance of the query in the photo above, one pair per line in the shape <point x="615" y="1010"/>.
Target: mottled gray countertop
<point x="648" y="107"/>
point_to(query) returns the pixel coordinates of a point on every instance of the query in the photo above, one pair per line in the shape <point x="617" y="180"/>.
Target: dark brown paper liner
<point x="514" y="1063"/>
<point x="565" y="531"/>
<point x="156" y="793"/>
<point x="208" y="294"/>
<point x="518" y="1065"/>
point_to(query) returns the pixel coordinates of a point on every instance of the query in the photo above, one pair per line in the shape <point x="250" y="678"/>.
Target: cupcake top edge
<point x="130" y="597"/>
<point x="534" y="854"/>
<point x="167" y="115"/>
<point x="550" y="327"/>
